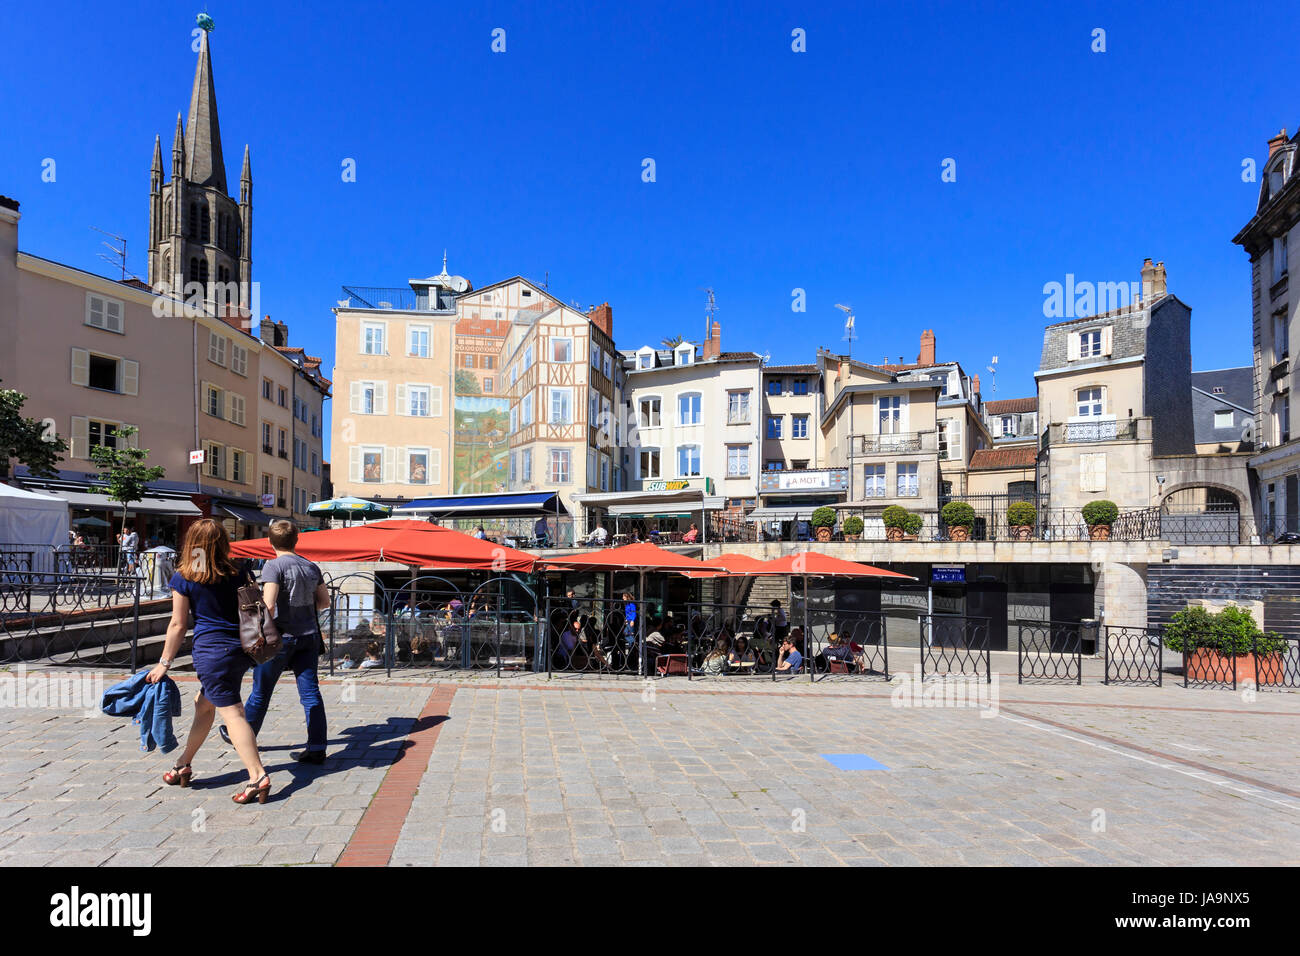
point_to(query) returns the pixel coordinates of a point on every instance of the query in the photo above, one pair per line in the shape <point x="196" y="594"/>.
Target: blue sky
<point x="775" y="170"/>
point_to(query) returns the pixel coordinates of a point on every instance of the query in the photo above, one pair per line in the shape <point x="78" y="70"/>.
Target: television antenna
<point x="710" y="312"/>
<point x="115" y="257"/>
<point x="850" y="334"/>
<point x="993" y="371"/>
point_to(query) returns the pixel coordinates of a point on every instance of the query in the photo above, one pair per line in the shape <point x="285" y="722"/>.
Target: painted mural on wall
<point x="482" y="449"/>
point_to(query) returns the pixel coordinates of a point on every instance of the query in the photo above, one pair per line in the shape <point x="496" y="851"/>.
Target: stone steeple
<point x="199" y="235"/>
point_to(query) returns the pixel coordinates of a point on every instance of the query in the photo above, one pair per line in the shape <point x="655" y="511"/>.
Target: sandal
<point x="259" y="791"/>
<point x="178" y="775"/>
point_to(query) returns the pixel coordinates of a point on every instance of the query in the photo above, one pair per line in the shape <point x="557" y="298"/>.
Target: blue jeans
<point x="299" y="654"/>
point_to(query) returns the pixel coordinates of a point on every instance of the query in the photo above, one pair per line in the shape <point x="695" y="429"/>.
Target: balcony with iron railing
<point x="899" y="443"/>
<point x="1097" y="430"/>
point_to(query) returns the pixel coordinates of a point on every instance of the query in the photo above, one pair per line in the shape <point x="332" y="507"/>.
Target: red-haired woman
<point x="206" y="582"/>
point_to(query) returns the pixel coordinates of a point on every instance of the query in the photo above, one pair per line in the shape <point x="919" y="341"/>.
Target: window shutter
<point x="80" y="444"/>
<point x="381" y="398"/>
<point x="401" y="466"/>
<point x="80" y="367"/>
<point x="113" y="315"/>
<point x="134" y="440"/>
<point x="435" y="401"/>
<point x="354" y="463"/>
<point x="435" y="466"/>
<point x="1105" y="400"/>
<point x="403" y="407"/>
<point x="354" y="397"/>
<point x="230" y="406"/>
<point x="361" y="339"/>
<point x="1107" y="338"/>
<point x="130" y="377"/>
<point x="1072" y="348"/>
<point x="390" y="462"/>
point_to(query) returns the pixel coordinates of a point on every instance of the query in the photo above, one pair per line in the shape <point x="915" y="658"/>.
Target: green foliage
<point x="1230" y="631"/>
<point x="467" y="383"/>
<point x="913" y="523"/>
<point x="823" y="517"/>
<point x="853" y="525"/>
<point x="1021" y="514"/>
<point x="1100" y="511"/>
<point x="671" y="342"/>
<point x="27" y="439"/>
<point x="123" y="469"/>
<point x="895" y="516"/>
<point x="958" y="514"/>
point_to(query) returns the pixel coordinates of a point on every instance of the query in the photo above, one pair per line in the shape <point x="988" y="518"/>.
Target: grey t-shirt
<point x="295" y="607"/>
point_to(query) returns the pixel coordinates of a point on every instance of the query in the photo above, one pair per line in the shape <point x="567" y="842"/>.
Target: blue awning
<point x="529" y="503"/>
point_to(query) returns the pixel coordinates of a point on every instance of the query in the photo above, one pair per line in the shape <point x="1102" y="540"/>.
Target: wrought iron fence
<point x="1273" y="663"/>
<point x="955" y="645"/>
<point x="846" y="644"/>
<point x="73" y="619"/>
<point x="1133" y="655"/>
<point x="732" y="640"/>
<point x="1051" y="650"/>
<point x="596" y="637"/>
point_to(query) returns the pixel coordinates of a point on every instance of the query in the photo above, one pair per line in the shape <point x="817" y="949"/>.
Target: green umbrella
<point x="349" y="507"/>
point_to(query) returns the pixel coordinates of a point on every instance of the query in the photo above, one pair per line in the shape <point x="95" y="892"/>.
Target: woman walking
<point x="206" y="583"/>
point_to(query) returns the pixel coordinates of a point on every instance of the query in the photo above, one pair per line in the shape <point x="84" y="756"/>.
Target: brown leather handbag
<point x="258" y="635"/>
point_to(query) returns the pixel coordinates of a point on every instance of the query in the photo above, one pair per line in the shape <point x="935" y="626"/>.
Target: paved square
<point x="518" y="772"/>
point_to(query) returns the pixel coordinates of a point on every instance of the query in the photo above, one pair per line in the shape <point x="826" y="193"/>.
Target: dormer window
<point x="1090" y="343"/>
<point x="645" y="358"/>
<point x="684" y="355"/>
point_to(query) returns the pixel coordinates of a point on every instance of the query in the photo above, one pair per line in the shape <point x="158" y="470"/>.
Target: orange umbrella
<point x="816" y="565"/>
<point x="731" y="564"/>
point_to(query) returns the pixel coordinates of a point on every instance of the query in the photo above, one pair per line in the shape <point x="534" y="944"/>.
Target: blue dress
<point x="219" y="659"/>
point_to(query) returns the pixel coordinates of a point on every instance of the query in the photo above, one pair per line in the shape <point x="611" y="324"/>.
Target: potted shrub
<point x="1099" y="516"/>
<point x="895" y="519"/>
<point x="1215" y="646"/>
<point x="853" y="527"/>
<point x="1020" y="519"/>
<point x="960" y="518"/>
<point x="912" y="526"/>
<point x="823" y="520"/>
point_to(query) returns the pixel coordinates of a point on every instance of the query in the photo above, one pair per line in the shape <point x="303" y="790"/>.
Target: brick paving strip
<point x="376" y="835"/>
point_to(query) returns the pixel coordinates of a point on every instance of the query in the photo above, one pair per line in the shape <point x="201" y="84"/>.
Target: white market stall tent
<point x="31" y="519"/>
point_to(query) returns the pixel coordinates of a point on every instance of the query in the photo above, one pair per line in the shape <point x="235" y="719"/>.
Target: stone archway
<point x="1203" y="513"/>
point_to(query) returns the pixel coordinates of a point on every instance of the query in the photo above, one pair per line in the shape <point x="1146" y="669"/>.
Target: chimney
<point x="1277" y="142"/>
<point x="927" y="348"/>
<point x="1154" y="282"/>
<point x="712" y="344"/>
<point x="975" y="384"/>
<point x="602" y="316"/>
<point x="266" y="331"/>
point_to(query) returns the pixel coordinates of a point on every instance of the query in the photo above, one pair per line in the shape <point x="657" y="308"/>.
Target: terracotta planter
<point x="959" y="533"/>
<point x="823" y="534"/>
<point x="1099" y="532"/>
<point x="852" y="537"/>
<point x="1022" y="532"/>
<point x="893" y="534"/>
<point x="911" y="537"/>
<point x="1211" y="665"/>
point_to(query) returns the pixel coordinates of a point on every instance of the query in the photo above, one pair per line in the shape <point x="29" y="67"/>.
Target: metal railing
<point x="1050" y="651"/>
<point x="899" y="443"/>
<point x="750" y="640"/>
<point x="72" y="619"/>
<point x="1133" y="655"/>
<point x="1086" y="432"/>
<point x="593" y="636"/>
<point x="1273" y="662"/>
<point x="955" y="646"/>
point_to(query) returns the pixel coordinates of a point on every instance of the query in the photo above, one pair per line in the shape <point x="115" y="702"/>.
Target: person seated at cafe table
<point x="690" y="537"/>
<point x="838" y="649"/>
<point x="790" y="661"/>
<point x="374" y="655"/>
<point x="715" y="662"/>
<point x="741" y="657"/>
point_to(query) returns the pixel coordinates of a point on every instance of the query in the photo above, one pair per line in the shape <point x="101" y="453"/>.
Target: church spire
<point x="204" y="165"/>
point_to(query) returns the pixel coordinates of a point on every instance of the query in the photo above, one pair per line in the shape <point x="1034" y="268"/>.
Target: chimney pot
<point x="1277" y="142"/>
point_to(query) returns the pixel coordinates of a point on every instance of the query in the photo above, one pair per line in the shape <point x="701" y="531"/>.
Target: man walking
<point x="293" y="587"/>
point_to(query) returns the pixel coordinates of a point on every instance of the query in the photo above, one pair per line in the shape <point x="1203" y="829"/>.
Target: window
<point x="684" y="354"/>
<point x="417" y="397"/>
<point x="799" y="465"/>
<point x="649" y="412"/>
<point x="369" y="398"/>
<point x="372" y="339"/>
<point x="649" y="462"/>
<point x="774" y="464"/>
<point x="1279" y="258"/>
<point x="604" y="473"/>
<point x="891" y="415"/>
<point x="561" y="459"/>
<point x="1281" y="338"/>
<point x="468" y="361"/>
<point x="513" y="468"/>
<point x="528" y="357"/>
<point x="514" y="420"/>
<point x="799" y="426"/>
<point x="102" y="372"/>
<point x="526" y="464"/>
<point x="949" y="440"/>
<point x="417" y="466"/>
<point x="417" y="341"/>
<point x="1090" y="343"/>
<point x="237" y="463"/>
<point x="514" y="375"/>
<point x="238" y="359"/>
<point x="266" y="389"/>
<point x="487" y="362"/>
<point x="562" y="350"/>
<point x="774" y="426"/>
<point x="284" y="441"/>
<point x="280" y="499"/>
<point x="645" y="360"/>
<point x="217" y="348"/>
<point x="1283" y="418"/>
<point x="266" y="437"/>
<point x="608" y="367"/>
<point x="688" y="408"/>
<point x="907" y="482"/>
<point x="235" y="410"/>
<point x="595" y="357"/>
<point x="212" y="465"/>
<point x="315" y="464"/>
<point x="774" y="386"/>
<point x="215" y="402"/>
<point x="1223" y="419"/>
<point x="873" y="481"/>
<point x="738" y="408"/>
<point x="688" y="461"/>
<point x="101" y="434"/>
<point x="526" y="412"/>
<point x="800" y="386"/>
<point x="487" y="385"/>
<point x="372" y="464"/>
<point x="561" y="406"/>
<point x="737" y="461"/>
<point x="104" y="313"/>
<point x="284" y="397"/>
<point x="1089" y="402"/>
<point x="1008" y="426"/>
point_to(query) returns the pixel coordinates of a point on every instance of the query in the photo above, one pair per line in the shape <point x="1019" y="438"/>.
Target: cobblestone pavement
<point x="525" y="772"/>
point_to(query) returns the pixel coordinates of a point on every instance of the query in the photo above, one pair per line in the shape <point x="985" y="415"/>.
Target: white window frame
<point x="873" y="481"/>
<point x="428" y="466"/>
<point x="1090" y="343"/>
<point x="699" y="460"/>
<point x="368" y="343"/>
<point x="218" y="346"/>
<point x="738" y="461"/>
<point x="682" y="417"/>
<point x="105" y="314"/>
<point x="412" y="330"/>
<point x="239" y="359"/>
<point x="565" y="393"/>
<point x="795" y="421"/>
<point x="1219" y="415"/>
<point x="641" y="416"/>
<point x="907" y="488"/>
<point x="1098" y="403"/>
<point x="650" y="456"/>
<point x="560" y="456"/>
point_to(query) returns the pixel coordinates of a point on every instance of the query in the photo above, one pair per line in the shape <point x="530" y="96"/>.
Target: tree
<point x="671" y="343"/>
<point x="123" y="469"/>
<point x="467" y="383"/>
<point x="32" y="442"/>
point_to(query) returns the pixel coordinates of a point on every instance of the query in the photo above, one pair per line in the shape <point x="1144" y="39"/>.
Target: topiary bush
<point x="895" y="516"/>
<point x="853" y="525"/>
<point x="1100" y="512"/>
<point x="958" y="514"/>
<point x="1231" y="631"/>
<point x="1021" y="514"/>
<point x="913" y="523"/>
<point x="823" y="517"/>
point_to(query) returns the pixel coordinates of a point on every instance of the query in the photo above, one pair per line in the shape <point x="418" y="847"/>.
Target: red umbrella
<point x="815" y="565"/>
<point x="731" y="564"/>
<point x="404" y="541"/>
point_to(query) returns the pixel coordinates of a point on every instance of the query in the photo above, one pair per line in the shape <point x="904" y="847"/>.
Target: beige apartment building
<point x="394" y="359"/>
